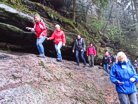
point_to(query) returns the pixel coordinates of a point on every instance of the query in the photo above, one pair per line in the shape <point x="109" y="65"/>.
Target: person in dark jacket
<point x="79" y="48"/>
<point x="124" y="76"/>
<point x="91" y="53"/>
<point x="106" y="61"/>
<point x="136" y="65"/>
<point x="112" y="60"/>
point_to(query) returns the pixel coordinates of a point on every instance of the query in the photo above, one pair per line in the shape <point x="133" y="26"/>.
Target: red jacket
<point x="91" y="50"/>
<point x="58" y="36"/>
<point x="40" y="29"/>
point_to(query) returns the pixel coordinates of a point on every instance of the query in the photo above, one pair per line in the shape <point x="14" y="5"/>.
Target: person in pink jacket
<point x="59" y="39"/>
<point x="91" y="53"/>
<point x="41" y="33"/>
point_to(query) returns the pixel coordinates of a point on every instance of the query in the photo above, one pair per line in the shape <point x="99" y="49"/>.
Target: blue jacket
<point x="123" y="72"/>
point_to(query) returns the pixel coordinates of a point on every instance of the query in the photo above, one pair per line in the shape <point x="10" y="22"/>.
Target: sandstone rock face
<point x="12" y="28"/>
<point x="58" y="3"/>
<point x="28" y="79"/>
<point x="16" y="37"/>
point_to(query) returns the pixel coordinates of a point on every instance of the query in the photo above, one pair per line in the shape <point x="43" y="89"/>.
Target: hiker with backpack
<point x="91" y="53"/>
<point x="136" y="65"/>
<point x="41" y="33"/>
<point x="59" y="39"/>
<point x="106" y="62"/>
<point x="124" y="76"/>
<point x="112" y="60"/>
<point x="79" y="47"/>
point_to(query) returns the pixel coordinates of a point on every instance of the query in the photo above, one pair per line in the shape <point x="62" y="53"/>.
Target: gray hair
<point x="121" y="54"/>
<point x="57" y="25"/>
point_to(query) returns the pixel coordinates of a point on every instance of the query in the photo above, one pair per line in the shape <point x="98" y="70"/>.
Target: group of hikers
<point x="60" y="40"/>
<point x="79" y="48"/>
<point x="108" y="61"/>
<point x="123" y="75"/>
<point x="119" y="68"/>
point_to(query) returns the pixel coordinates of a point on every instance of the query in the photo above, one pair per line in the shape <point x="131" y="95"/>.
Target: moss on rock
<point x="51" y="17"/>
<point x="8" y="27"/>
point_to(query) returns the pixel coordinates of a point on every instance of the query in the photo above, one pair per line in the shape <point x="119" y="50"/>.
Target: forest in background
<point x="117" y="20"/>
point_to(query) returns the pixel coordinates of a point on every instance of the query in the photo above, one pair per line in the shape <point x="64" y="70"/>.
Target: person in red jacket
<point x="41" y="33"/>
<point x="59" y="40"/>
<point x="91" y="53"/>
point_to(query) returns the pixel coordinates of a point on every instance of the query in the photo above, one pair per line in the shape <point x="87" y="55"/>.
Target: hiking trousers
<point x="58" y="51"/>
<point x="91" y="60"/>
<point x="127" y="98"/>
<point x="106" y="67"/>
<point x="82" y="56"/>
<point x="39" y="44"/>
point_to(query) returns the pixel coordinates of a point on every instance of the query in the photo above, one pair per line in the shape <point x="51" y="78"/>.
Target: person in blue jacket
<point x="124" y="76"/>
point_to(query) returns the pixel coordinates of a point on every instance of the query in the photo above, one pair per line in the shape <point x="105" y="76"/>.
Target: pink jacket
<point x="91" y="50"/>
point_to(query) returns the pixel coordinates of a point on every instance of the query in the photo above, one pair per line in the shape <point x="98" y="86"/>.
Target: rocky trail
<point x="28" y="79"/>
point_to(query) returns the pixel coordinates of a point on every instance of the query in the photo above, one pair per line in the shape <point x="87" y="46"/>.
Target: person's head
<point x="37" y="17"/>
<point x="121" y="57"/>
<point x="57" y="27"/>
<point x="91" y="44"/>
<point x="78" y="36"/>
<point x="106" y="53"/>
<point x="111" y="53"/>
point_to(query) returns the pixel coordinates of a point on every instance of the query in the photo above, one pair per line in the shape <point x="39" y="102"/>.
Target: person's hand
<point x="81" y="50"/>
<point x="63" y="44"/>
<point x="120" y="82"/>
<point x="40" y="36"/>
<point x="47" y="38"/>
<point x="73" y="51"/>
<point x="132" y="79"/>
<point x="28" y="28"/>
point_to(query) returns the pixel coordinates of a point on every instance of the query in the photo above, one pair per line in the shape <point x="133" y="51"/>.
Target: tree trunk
<point x="133" y="9"/>
<point x="109" y="17"/>
<point x="74" y="8"/>
<point x="136" y="8"/>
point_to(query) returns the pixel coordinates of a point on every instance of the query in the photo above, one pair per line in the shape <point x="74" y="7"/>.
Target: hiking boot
<point x="84" y="66"/>
<point x="77" y="64"/>
<point x="59" y="60"/>
<point x="91" y="66"/>
<point x="41" y="56"/>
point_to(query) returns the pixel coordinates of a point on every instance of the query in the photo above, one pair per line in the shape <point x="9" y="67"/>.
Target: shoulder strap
<point x="43" y="25"/>
<point x="76" y="40"/>
<point x="81" y="40"/>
